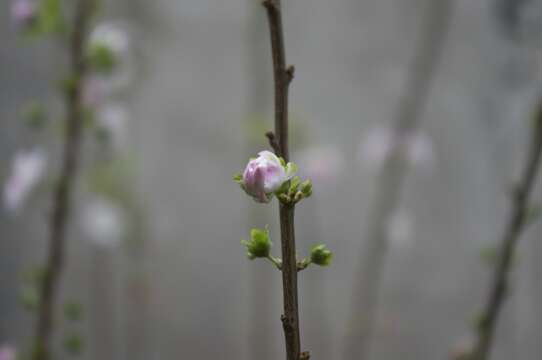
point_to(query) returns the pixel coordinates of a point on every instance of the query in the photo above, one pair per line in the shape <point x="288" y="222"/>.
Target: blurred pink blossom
<point x="380" y="141"/>
<point x="23" y="12"/>
<point x="7" y="352"/>
<point x="27" y="170"/>
<point x="324" y="163"/>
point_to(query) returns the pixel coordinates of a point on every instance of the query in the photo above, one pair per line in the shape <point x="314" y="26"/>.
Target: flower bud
<point x="265" y="175"/>
<point x="321" y="256"/>
<point x="259" y="245"/>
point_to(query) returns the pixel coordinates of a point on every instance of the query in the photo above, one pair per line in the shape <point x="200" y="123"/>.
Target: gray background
<point x="203" y="69"/>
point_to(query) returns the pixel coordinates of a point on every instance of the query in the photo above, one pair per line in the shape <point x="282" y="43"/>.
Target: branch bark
<point x="282" y="77"/>
<point x="392" y="176"/>
<point x="63" y="191"/>
<point x="514" y="229"/>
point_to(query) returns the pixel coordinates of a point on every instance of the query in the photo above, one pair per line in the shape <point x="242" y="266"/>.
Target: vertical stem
<point x="290" y="318"/>
<point x="63" y="191"/>
<point x="392" y="176"/>
<point x="512" y="233"/>
<point x="282" y="77"/>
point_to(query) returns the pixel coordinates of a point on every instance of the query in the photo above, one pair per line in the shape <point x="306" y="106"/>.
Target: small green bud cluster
<point x="259" y="246"/>
<point x="321" y="256"/>
<point x="295" y="191"/>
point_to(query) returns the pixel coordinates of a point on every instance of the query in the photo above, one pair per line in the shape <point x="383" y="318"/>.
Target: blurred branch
<point x="63" y="192"/>
<point x="282" y="78"/>
<point x="517" y="222"/>
<point x="391" y="178"/>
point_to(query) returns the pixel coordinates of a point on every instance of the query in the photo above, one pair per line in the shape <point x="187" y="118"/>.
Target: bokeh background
<point x="167" y="278"/>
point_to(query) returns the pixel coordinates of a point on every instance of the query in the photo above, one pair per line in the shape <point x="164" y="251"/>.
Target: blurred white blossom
<point x="324" y="163"/>
<point x="400" y="229"/>
<point x="7" y="352"/>
<point x="421" y="150"/>
<point x="103" y="222"/>
<point x="380" y="142"/>
<point x="116" y="38"/>
<point x="113" y="118"/>
<point x="28" y="168"/>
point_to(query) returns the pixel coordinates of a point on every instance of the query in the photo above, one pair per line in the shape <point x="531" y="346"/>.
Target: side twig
<point x="279" y="141"/>
<point x="392" y="176"/>
<point x="62" y="193"/>
<point x="516" y="224"/>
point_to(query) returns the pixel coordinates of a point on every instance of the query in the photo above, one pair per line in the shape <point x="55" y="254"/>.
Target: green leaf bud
<point x="259" y="245"/>
<point x="321" y="256"/>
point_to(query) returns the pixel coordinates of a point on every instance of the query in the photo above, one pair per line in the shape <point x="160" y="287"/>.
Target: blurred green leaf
<point x="101" y="58"/>
<point x="73" y="311"/>
<point x="29" y="297"/>
<point x="73" y="344"/>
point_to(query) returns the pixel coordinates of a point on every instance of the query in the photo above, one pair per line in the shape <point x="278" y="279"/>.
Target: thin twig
<point x="282" y="77"/>
<point x="392" y="176"/>
<point x="516" y="224"/>
<point x="63" y="191"/>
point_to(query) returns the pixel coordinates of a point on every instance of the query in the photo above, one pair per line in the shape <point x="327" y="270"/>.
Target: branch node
<point x="273" y="141"/>
<point x="287" y="323"/>
<point x="305" y="355"/>
<point x="269" y="4"/>
<point x="290" y="72"/>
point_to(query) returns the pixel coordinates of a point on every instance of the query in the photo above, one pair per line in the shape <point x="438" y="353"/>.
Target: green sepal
<point x="306" y="188"/>
<point x="238" y="178"/>
<point x="294" y="184"/>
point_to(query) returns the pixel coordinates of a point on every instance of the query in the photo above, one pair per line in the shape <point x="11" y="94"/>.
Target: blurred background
<point x="154" y="255"/>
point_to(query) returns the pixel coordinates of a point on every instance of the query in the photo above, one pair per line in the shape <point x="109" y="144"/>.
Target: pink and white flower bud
<point x="27" y="170"/>
<point x="23" y="12"/>
<point x="7" y="352"/>
<point x="265" y="175"/>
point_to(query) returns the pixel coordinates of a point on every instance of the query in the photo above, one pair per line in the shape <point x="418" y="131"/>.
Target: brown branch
<point x="392" y="176"/>
<point x="516" y="224"/>
<point x="282" y="78"/>
<point x="63" y="191"/>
